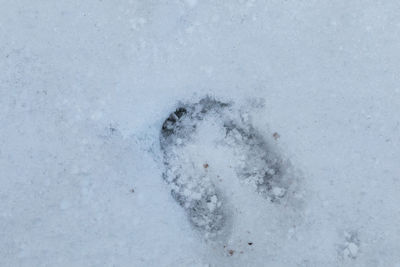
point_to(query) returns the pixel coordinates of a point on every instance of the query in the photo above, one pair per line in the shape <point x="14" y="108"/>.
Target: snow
<point x="85" y="87"/>
<point x="352" y="249"/>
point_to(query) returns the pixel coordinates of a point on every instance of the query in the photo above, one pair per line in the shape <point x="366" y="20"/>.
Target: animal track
<point x="192" y="185"/>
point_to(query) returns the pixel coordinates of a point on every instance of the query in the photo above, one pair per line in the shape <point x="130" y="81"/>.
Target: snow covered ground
<point x="85" y="87"/>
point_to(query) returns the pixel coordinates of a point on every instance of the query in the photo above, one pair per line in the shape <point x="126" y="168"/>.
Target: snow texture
<point x="199" y="133"/>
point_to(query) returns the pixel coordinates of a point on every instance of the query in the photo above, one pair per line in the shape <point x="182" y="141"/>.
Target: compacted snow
<point x="199" y="133"/>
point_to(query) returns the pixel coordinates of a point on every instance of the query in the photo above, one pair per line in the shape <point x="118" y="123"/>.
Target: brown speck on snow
<point x="231" y="251"/>
<point x="276" y="136"/>
<point x="205" y="165"/>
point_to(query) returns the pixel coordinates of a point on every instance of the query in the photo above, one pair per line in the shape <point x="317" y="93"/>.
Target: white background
<point x="86" y="85"/>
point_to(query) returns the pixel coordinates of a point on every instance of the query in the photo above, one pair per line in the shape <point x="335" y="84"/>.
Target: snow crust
<point x="85" y="87"/>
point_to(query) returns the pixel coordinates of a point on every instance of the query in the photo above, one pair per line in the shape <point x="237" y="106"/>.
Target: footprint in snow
<point x="211" y="151"/>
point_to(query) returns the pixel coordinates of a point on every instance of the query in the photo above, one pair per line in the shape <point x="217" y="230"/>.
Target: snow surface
<point x="85" y="87"/>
